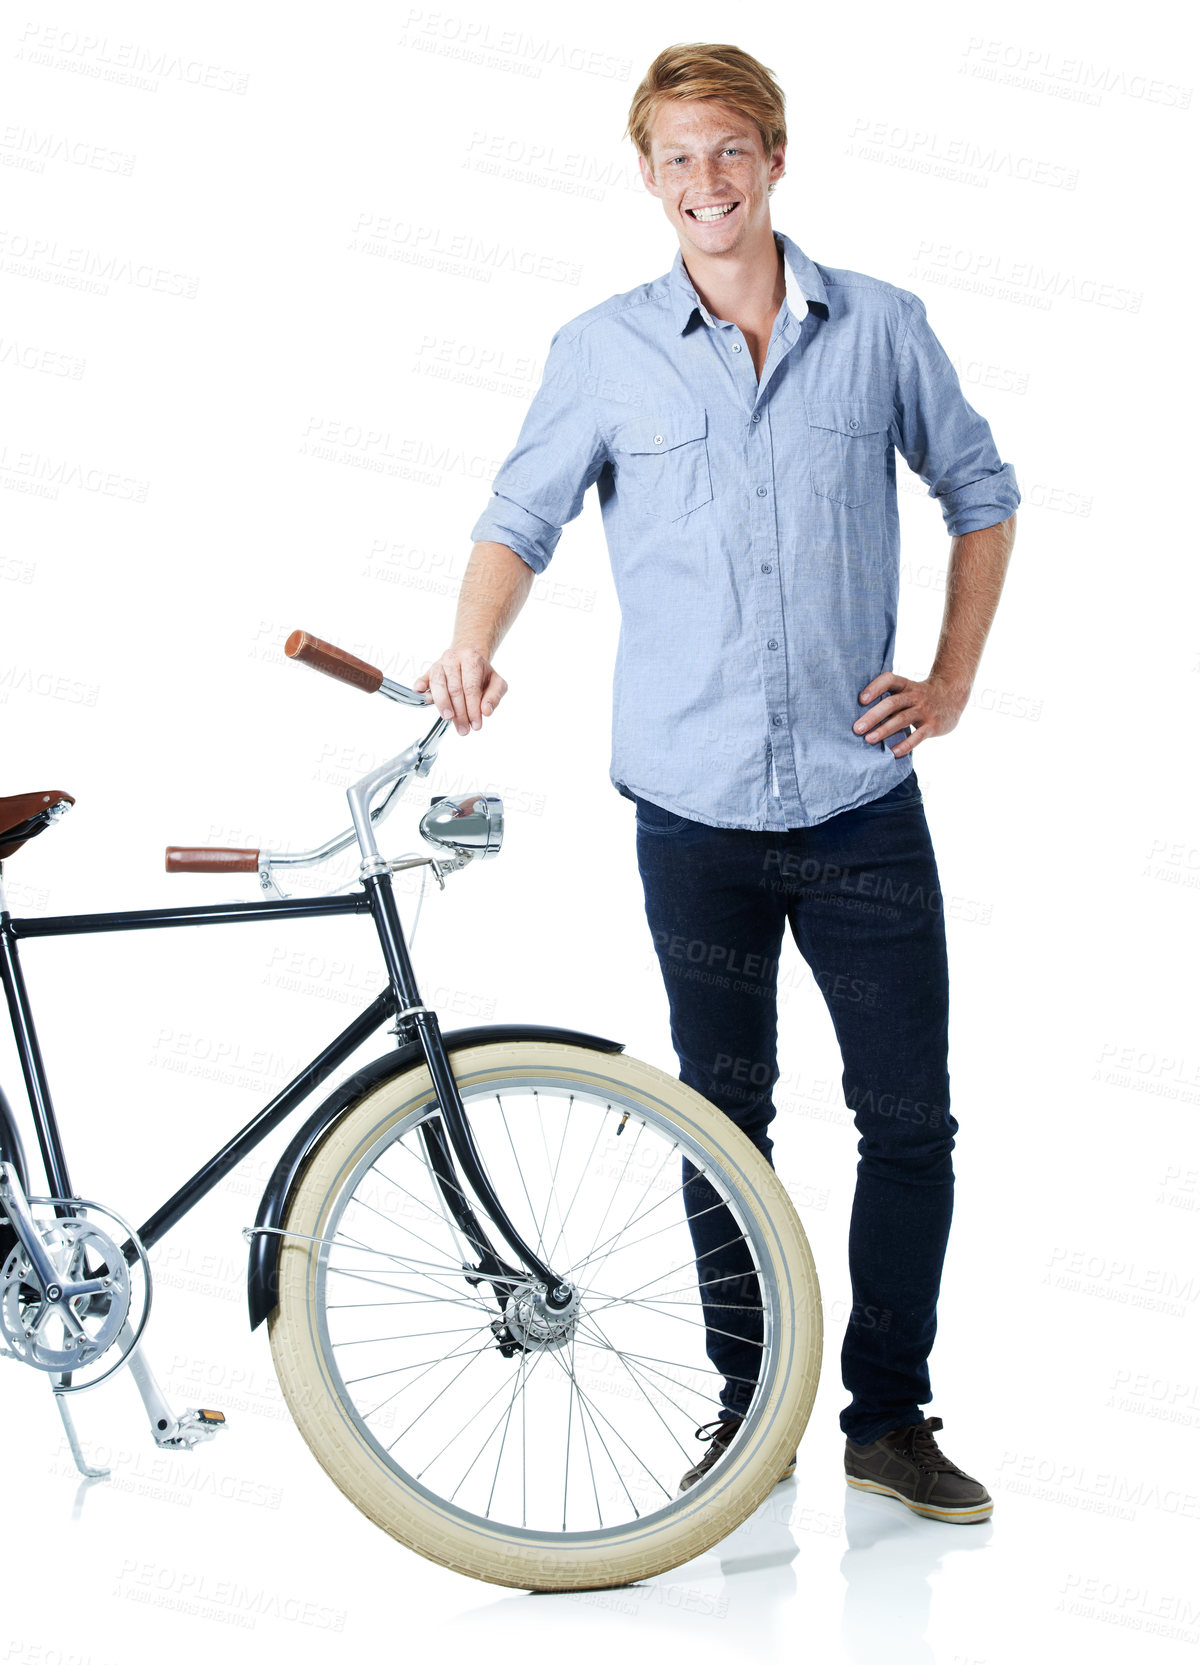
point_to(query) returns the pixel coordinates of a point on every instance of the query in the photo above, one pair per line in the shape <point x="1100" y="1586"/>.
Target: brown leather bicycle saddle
<point x="26" y="815"/>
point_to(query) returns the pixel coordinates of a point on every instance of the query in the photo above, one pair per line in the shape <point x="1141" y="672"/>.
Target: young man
<point x="739" y="418"/>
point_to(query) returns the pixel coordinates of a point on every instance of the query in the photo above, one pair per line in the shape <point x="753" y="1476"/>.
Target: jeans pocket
<point x="654" y="819"/>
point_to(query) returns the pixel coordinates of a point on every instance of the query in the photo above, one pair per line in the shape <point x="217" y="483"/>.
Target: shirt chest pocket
<point x="662" y="462"/>
<point x="847" y="447"/>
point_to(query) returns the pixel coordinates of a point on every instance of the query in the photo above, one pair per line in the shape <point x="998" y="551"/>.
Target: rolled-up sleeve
<point x="558" y="455"/>
<point x="944" y="439"/>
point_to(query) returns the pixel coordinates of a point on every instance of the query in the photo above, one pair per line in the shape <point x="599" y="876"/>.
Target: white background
<point x="278" y="284"/>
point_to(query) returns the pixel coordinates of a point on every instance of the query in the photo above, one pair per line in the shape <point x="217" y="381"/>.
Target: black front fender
<point x="262" y="1288"/>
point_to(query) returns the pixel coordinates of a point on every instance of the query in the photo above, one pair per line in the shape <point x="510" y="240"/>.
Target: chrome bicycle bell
<point x="470" y="826"/>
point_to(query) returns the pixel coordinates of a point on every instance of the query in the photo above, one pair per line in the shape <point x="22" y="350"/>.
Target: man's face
<point x="708" y="169"/>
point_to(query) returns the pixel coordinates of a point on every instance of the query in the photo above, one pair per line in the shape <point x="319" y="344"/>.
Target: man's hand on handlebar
<point x="465" y="687"/>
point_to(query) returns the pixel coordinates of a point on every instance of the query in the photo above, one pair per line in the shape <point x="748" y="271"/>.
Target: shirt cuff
<point x="504" y="521"/>
<point x="981" y="503"/>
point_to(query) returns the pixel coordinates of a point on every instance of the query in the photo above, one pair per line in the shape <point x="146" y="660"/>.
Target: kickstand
<point x="170" y="1432"/>
<point x="89" y="1473"/>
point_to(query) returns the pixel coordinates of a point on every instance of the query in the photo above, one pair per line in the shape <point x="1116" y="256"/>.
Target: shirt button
<point x="757" y="417"/>
<point x="776" y="722"/>
<point x="854" y="421"/>
<point x="658" y="439"/>
<point x="772" y="644"/>
<point x="737" y="346"/>
<point x="766" y="566"/>
<point x="762" y="491"/>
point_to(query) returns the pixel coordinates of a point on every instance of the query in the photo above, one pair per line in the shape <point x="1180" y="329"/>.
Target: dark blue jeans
<point x="860" y="895"/>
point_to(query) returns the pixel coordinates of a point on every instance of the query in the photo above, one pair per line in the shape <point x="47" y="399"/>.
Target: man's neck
<point x="747" y="287"/>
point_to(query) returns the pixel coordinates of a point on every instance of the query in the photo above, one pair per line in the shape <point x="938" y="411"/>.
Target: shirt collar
<point x="805" y="290"/>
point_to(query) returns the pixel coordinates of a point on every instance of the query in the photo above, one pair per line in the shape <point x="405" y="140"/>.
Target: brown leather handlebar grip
<point x="182" y="858"/>
<point x="323" y="656"/>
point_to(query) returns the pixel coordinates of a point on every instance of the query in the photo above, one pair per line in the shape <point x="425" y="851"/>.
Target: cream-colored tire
<point x="347" y="1271"/>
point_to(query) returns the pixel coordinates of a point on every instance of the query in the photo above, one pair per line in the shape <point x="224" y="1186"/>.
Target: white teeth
<point x="709" y="214"/>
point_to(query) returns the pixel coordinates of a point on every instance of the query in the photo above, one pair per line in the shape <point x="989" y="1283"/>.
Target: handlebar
<point x="336" y="662"/>
<point x="333" y="661"/>
<point x="182" y="858"/>
<point x="417" y="760"/>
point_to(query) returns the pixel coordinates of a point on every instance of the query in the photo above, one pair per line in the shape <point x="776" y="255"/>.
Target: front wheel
<point x="492" y="1435"/>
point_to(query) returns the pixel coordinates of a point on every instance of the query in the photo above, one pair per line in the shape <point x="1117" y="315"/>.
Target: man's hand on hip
<point x="465" y="687"/>
<point x="930" y="707"/>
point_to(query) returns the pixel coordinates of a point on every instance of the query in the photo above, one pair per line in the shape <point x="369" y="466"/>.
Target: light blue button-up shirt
<point x="751" y="524"/>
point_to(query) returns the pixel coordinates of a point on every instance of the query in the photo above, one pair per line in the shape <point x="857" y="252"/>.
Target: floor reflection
<point x="763" y="1576"/>
<point x="748" y="1578"/>
<point x="890" y="1556"/>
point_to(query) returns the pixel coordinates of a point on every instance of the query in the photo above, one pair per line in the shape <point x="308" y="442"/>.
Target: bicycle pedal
<point x="191" y="1428"/>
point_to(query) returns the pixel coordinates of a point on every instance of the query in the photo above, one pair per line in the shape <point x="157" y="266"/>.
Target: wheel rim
<point x="583" y="1430"/>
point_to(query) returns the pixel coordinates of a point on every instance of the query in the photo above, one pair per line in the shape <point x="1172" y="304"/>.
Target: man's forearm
<point x="462" y="682"/>
<point x="974" y="580"/>
<point x="494" y="589"/>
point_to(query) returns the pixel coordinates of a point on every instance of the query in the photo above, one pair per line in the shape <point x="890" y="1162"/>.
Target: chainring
<point x="64" y="1335"/>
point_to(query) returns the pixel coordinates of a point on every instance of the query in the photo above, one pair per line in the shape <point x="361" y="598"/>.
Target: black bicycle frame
<point x="400" y="998"/>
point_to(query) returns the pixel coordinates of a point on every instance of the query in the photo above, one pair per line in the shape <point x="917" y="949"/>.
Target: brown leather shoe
<point x="905" y="1463"/>
<point x="723" y="1433"/>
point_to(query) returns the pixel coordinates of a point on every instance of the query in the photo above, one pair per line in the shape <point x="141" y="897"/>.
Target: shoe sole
<point x="971" y="1512"/>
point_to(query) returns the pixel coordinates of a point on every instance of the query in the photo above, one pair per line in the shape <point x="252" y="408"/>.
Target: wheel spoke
<point x="585" y="1400"/>
<point x="552" y="1173"/>
<point x="517" y="1380"/>
<point x="474" y="1359"/>
<point x="521" y="1175"/>
<point x="586" y="1442"/>
<point x="671" y="1226"/>
<point x="630" y="1153"/>
<point x="409" y="1335"/>
<point x="629" y="1370"/>
<point x="728" y="1244"/>
<point x="684" y="1289"/>
<point x="423" y="1365"/>
<point x="359" y="1202"/>
<point x="437" y="1295"/>
<point x="636" y="1213"/>
<point x="461" y="1431"/>
<point x="579" y="1182"/>
<point x="452" y="1270"/>
<point x="625" y="1352"/>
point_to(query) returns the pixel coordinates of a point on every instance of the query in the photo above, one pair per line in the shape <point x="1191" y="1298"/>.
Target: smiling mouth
<point x="712" y="215"/>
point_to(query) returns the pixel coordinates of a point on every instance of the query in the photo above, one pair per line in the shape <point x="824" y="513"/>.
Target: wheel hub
<point x="535" y="1325"/>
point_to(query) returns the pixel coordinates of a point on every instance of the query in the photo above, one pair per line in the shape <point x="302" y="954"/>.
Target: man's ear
<point x="648" y="176"/>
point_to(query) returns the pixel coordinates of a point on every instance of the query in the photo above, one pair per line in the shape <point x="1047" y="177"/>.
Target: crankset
<point x="66" y="1289"/>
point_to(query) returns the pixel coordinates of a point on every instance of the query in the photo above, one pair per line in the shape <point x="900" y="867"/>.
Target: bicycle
<point x="473" y="1258"/>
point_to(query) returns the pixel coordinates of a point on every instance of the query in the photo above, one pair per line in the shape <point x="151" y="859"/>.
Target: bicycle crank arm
<point x="173" y="1433"/>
